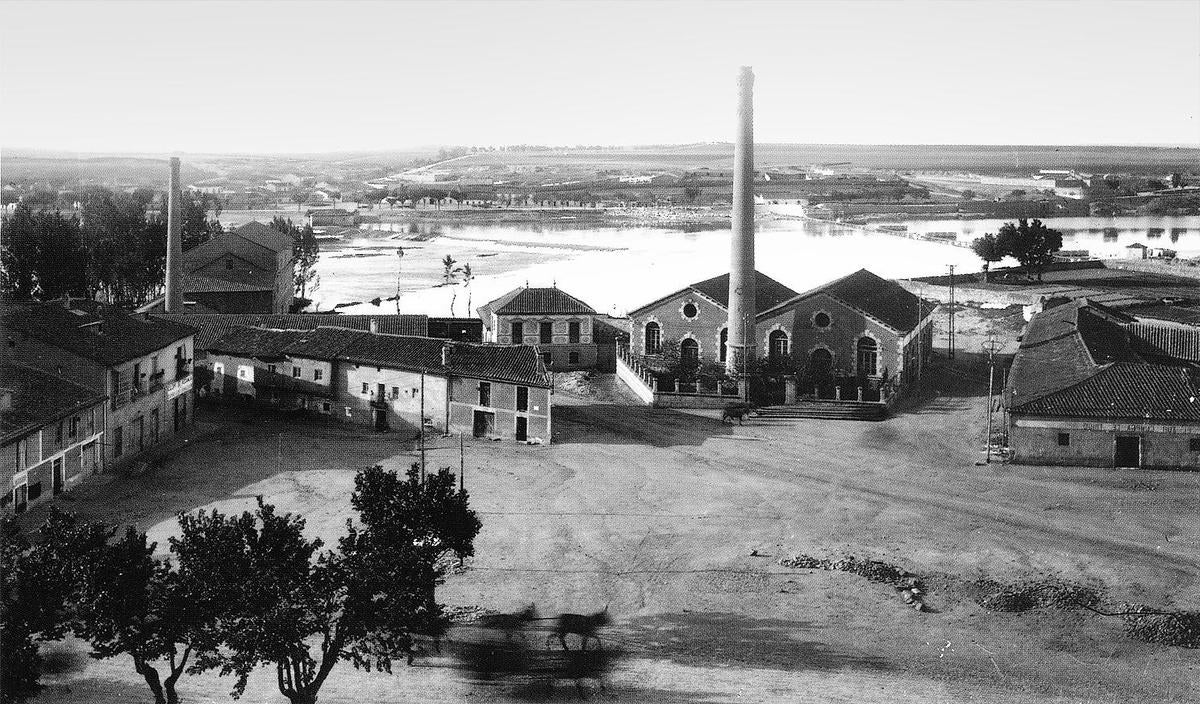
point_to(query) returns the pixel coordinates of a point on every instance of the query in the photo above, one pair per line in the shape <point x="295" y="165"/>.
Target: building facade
<point x="51" y="435"/>
<point x="386" y="382"/>
<point x="142" y="365"/>
<point x="560" y="325"/>
<point x="249" y="269"/>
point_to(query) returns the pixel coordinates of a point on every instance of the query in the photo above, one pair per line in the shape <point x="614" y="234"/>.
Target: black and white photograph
<point x="569" y="350"/>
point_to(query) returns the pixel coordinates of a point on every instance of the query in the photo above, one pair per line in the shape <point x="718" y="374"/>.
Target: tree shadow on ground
<point x="634" y="425"/>
<point x="735" y="639"/>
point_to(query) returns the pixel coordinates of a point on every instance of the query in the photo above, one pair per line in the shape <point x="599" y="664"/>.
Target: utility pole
<point x="950" y="345"/>
<point x="421" y="427"/>
<point x="990" y="348"/>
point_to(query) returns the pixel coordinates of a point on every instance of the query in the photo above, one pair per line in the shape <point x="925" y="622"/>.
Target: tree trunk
<point x="985" y="272"/>
<point x="151" y="676"/>
<point x="303" y="698"/>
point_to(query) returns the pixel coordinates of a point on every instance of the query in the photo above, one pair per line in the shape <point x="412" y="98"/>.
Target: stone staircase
<point x="827" y="410"/>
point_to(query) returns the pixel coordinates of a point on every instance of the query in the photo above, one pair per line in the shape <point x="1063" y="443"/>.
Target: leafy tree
<point x="298" y="198"/>
<point x="19" y="254"/>
<point x="988" y="248"/>
<point x="1175" y="180"/>
<point x="467" y="276"/>
<point x="126" y="251"/>
<point x="38" y="582"/>
<point x="968" y="194"/>
<point x="195" y="226"/>
<point x="306" y="250"/>
<point x="1031" y="243"/>
<point x="42" y="255"/>
<point x="302" y="609"/>
<point x="691" y="193"/>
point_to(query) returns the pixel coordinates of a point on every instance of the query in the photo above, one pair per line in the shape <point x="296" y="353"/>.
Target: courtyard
<point x="676" y="522"/>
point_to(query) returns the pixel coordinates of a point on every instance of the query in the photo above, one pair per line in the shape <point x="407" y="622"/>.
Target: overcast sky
<point x="270" y="77"/>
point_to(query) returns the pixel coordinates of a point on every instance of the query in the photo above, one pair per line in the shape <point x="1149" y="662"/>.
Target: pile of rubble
<point x="1036" y="594"/>
<point x="909" y="586"/>
<point x="1181" y="628"/>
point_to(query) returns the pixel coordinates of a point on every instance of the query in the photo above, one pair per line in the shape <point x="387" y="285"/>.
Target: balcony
<point x="156" y="380"/>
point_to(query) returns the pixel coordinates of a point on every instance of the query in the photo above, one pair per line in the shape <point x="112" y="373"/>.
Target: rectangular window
<point x="518" y="333"/>
<point x="326" y="406"/>
<point x="137" y="376"/>
<point x="545" y="333"/>
<point x="395" y="392"/>
<point x="73" y="429"/>
<point x="522" y="398"/>
<point x="573" y="357"/>
<point x="22" y="454"/>
<point x="546" y="358"/>
<point x="20" y="497"/>
<point x="485" y="393"/>
<point x="573" y="332"/>
<point x="35" y="490"/>
<point x="1194" y="444"/>
<point x="317" y="374"/>
<point x="114" y="387"/>
<point x="118" y="441"/>
<point x="1064" y="439"/>
<point x="295" y="372"/>
<point x="366" y="388"/>
<point x="270" y="368"/>
<point x="58" y="434"/>
<point x="91" y="426"/>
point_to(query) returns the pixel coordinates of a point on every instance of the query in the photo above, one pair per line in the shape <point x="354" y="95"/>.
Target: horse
<point x="509" y="623"/>
<point x="736" y="410"/>
<point x="584" y="626"/>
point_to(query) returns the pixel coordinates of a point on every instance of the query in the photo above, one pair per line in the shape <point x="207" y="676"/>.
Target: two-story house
<point x="558" y="323"/>
<point x="51" y="435"/>
<point x="143" y="365"/>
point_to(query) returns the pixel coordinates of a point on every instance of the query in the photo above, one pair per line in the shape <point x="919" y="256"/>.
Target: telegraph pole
<point x="950" y="346"/>
<point x="990" y="348"/>
<point x="461" y="462"/>
<point x="421" y="427"/>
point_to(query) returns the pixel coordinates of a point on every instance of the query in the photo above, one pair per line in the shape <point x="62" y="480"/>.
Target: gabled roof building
<point x="561" y="325"/>
<point x="1095" y="387"/>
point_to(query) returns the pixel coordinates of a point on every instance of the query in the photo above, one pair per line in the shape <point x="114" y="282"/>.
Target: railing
<point x="156" y="380"/>
<point x="636" y="366"/>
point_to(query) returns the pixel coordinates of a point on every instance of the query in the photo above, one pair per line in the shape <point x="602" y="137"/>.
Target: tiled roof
<point x="882" y="299"/>
<point x="213" y="325"/>
<point x="514" y="363"/>
<point x="95" y="331"/>
<point x="1078" y="360"/>
<point x="1126" y="390"/>
<point x="266" y="236"/>
<point x="205" y="284"/>
<point x="767" y="292"/>
<point x="39" y="398"/>
<point x="543" y="300"/>
<point x="218" y="247"/>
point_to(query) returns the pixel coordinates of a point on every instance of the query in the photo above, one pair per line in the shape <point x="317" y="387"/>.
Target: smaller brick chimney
<point x="446" y="350"/>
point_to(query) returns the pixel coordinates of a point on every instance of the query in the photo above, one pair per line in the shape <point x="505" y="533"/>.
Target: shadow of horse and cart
<point x="528" y="654"/>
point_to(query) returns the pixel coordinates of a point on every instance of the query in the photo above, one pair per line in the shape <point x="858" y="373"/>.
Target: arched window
<point x="868" y="356"/>
<point x="722" y="351"/>
<point x="777" y="345"/>
<point x="653" y="338"/>
<point x="689" y="349"/>
<point x="820" y="363"/>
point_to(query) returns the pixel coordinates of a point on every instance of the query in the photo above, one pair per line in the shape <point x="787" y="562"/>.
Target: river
<point x="618" y="269"/>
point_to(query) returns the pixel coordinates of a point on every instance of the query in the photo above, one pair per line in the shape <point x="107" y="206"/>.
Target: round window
<point x="689" y="310"/>
<point x="822" y="320"/>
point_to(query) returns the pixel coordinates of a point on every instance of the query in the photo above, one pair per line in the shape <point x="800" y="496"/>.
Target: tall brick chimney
<point x="173" y="301"/>
<point x="741" y="260"/>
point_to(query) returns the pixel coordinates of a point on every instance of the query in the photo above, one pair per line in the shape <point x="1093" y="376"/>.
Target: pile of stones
<point x="1036" y="594"/>
<point x="1181" y="628"/>
<point x="909" y="586"/>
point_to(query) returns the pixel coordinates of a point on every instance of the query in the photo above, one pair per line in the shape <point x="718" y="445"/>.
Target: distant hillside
<point x="1019" y="159"/>
<point x="108" y="171"/>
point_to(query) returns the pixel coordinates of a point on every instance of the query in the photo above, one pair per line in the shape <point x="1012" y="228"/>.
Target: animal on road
<point x="736" y="410"/>
<point x="583" y="625"/>
<point x="509" y="623"/>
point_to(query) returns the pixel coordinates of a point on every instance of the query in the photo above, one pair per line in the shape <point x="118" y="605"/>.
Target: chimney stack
<point x="446" y="354"/>
<point x="374" y="324"/>
<point x="173" y="300"/>
<point x="742" y="311"/>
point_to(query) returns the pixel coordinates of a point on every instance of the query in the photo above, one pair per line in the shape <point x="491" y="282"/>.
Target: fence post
<point x="860" y="393"/>
<point x="837" y="393"/>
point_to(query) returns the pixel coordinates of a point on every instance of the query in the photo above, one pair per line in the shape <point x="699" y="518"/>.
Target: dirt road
<point x="676" y="521"/>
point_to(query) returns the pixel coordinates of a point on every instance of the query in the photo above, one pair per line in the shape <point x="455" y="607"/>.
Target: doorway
<point x="484" y="424"/>
<point x="522" y="428"/>
<point x="1128" y="452"/>
<point x="58" y="477"/>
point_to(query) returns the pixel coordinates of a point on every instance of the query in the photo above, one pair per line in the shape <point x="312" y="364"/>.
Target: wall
<point x="80" y="455"/>
<point x="465" y="401"/>
<point x="403" y="409"/>
<point x="705" y="327"/>
<point x="236" y="301"/>
<point x="841" y="337"/>
<point x="668" y="399"/>
<point x="633" y="381"/>
<point x="1092" y="443"/>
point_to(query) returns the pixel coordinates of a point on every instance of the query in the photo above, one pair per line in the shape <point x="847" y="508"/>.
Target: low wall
<point x="673" y="399"/>
<point x="634" y="382"/>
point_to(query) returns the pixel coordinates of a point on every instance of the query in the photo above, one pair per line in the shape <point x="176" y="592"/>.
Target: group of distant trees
<point x="114" y="246"/>
<point x="239" y="592"/>
<point x="1030" y="242"/>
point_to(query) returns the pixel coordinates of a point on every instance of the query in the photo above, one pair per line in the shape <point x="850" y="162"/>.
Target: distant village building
<point x="326" y="217"/>
<point x="1090" y="386"/>
<point x="558" y="323"/>
<point x="386" y="382"/>
<point x="143" y="365"/>
<point x="51" y="435"/>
